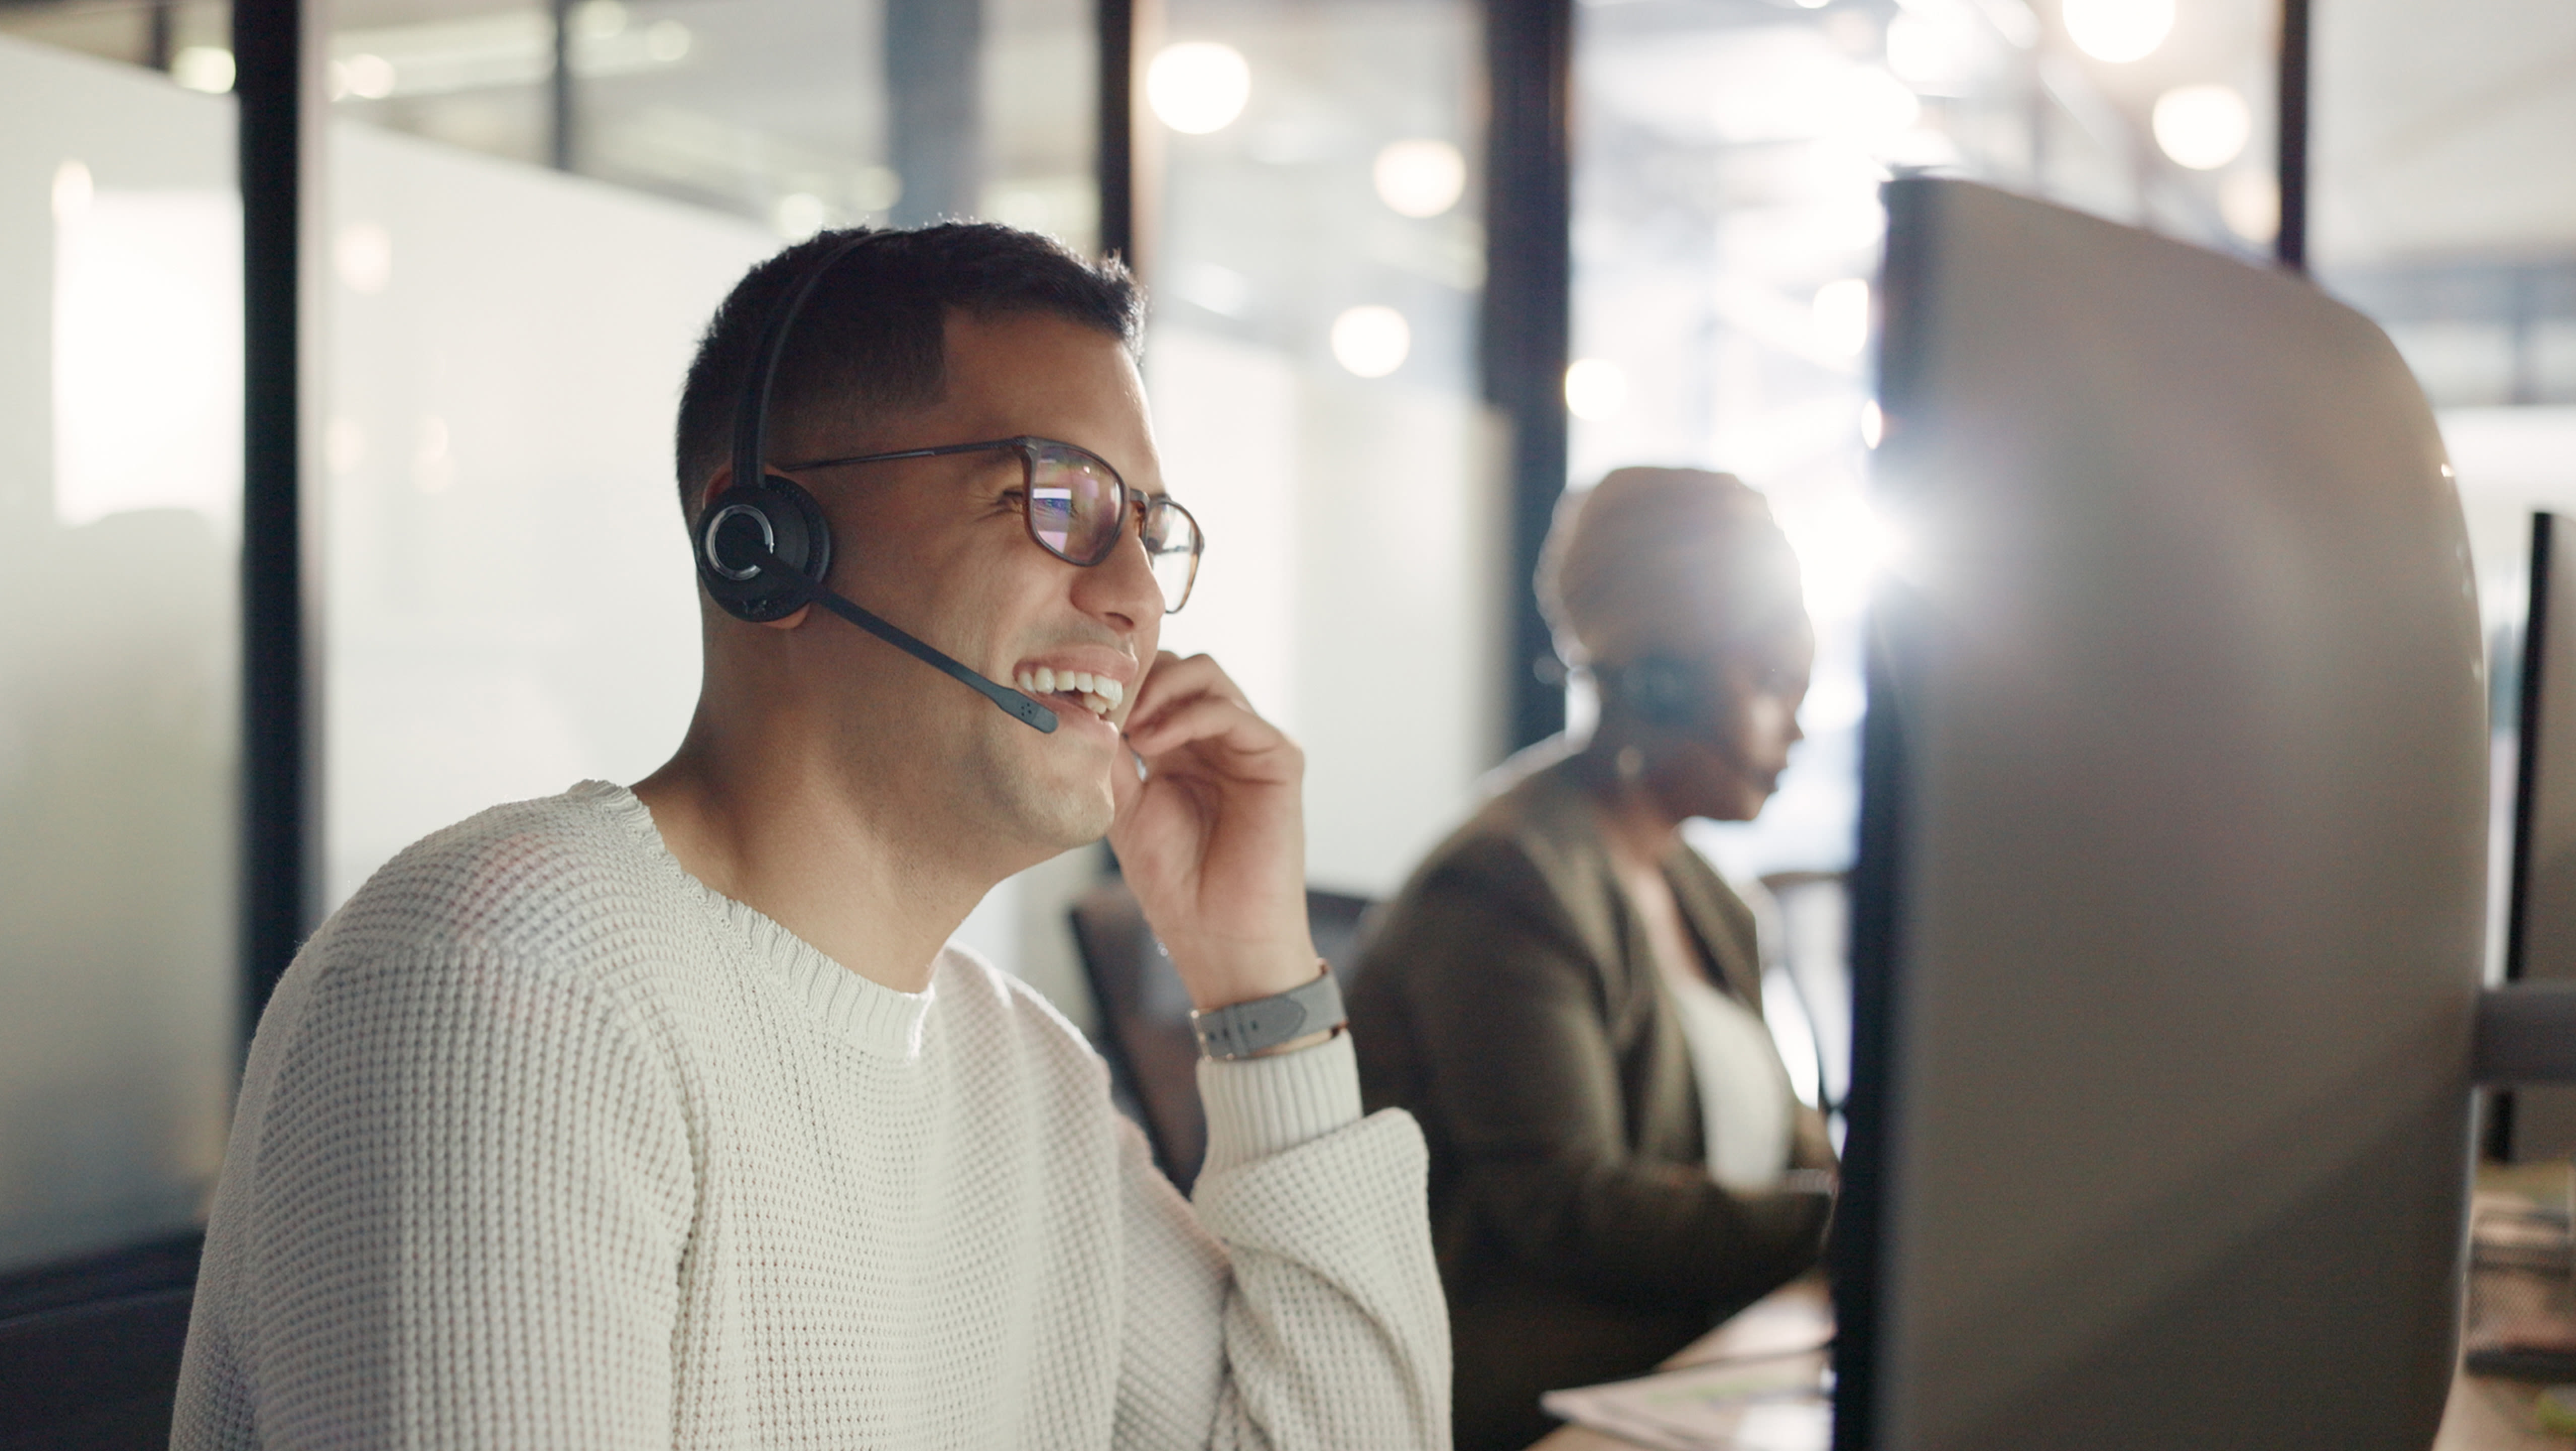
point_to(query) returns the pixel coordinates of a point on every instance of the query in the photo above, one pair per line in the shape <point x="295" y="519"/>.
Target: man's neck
<point x="783" y="836"/>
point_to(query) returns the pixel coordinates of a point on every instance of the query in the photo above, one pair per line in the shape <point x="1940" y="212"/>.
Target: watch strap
<point x="1264" y="1023"/>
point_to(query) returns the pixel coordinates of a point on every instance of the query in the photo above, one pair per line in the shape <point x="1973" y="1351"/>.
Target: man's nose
<point x="1121" y="590"/>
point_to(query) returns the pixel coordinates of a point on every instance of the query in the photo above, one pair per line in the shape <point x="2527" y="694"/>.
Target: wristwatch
<point x="1248" y="1028"/>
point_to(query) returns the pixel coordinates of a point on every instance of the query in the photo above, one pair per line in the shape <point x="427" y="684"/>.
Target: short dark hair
<point x="873" y="333"/>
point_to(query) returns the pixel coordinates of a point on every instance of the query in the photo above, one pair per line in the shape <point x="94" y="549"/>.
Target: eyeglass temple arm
<point x="1015" y="705"/>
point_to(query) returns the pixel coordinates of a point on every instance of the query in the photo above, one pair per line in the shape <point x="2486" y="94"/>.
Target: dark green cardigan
<point x="1508" y="998"/>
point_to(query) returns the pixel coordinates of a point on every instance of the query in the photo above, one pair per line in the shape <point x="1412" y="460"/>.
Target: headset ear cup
<point x="738" y="533"/>
<point x="1662" y="691"/>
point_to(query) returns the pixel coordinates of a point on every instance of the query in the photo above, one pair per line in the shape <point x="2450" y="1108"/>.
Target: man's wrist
<point x="1214" y="981"/>
<point x="1300" y="1045"/>
<point x="1304" y="1015"/>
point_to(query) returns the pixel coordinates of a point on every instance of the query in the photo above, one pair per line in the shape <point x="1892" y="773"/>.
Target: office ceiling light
<point x="1198" y="86"/>
<point x="2203" y="127"/>
<point x="2118" y="30"/>
<point x="1595" y="389"/>
<point x="207" y="68"/>
<point x="366" y="75"/>
<point x="1371" y="341"/>
<point x="1420" y="178"/>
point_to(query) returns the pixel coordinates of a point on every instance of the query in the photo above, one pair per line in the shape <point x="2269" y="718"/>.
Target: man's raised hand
<point x="1213" y="839"/>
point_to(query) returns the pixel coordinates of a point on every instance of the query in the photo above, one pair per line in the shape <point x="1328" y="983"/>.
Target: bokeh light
<point x="2203" y="127"/>
<point x="1371" y="340"/>
<point x="1595" y="389"/>
<point x="2250" y="202"/>
<point x="207" y="68"/>
<point x="1420" y="178"/>
<point x="799" y="215"/>
<point x="1198" y="86"/>
<point x="2118" y="30"/>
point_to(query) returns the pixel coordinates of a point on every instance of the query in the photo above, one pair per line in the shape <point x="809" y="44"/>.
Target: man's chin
<point x="1063" y="816"/>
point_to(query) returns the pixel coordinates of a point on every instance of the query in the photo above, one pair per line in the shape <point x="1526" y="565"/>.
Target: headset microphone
<point x="764" y="550"/>
<point x="1019" y="707"/>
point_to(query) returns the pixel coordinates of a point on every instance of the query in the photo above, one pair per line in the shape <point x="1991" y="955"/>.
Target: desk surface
<point x="2483" y="1415"/>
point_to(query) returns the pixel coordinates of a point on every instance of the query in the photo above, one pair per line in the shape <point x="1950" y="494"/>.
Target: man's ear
<point x="715" y="484"/>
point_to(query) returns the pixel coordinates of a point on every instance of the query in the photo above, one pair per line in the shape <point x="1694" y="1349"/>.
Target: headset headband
<point x="751" y="411"/>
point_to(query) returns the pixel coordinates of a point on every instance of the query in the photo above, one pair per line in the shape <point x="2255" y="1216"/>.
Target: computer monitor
<point x="2533" y="1122"/>
<point x="2169" y="904"/>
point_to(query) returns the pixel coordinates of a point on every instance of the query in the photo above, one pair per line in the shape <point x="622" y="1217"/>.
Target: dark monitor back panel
<point x="2169" y="906"/>
<point x="2536" y="1122"/>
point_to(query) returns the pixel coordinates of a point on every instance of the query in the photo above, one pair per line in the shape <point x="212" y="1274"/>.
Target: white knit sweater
<point x="545" y="1144"/>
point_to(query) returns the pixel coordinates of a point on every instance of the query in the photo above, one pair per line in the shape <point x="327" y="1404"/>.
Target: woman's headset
<point x="1659" y="690"/>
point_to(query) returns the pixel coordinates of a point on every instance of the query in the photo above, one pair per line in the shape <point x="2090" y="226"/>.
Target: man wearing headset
<point x="663" y="1117"/>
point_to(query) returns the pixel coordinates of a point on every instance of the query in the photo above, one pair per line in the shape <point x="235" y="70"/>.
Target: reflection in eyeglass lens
<point x="1073" y="504"/>
<point x="1051" y="517"/>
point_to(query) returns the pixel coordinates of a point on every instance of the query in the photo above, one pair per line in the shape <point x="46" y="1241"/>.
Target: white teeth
<point x="1100" y="694"/>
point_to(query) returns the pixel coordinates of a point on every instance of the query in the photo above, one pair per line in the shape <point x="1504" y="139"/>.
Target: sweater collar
<point x="866" y="1014"/>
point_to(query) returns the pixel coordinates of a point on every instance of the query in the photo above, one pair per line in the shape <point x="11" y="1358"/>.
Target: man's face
<point x="941" y="547"/>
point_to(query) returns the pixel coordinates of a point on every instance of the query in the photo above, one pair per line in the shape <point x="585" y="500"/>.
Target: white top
<point x="545" y="1144"/>
<point x="1746" y="1109"/>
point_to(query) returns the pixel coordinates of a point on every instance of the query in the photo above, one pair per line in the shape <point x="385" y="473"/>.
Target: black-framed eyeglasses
<point x="1076" y="508"/>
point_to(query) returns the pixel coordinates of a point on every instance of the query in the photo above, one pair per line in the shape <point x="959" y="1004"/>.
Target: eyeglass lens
<point x="1172" y="547"/>
<point x="1077" y="508"/>
<point x="1075" y="503"/>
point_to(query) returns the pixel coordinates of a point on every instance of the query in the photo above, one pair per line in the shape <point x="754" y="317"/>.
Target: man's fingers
<point x="1173" y="680"/>
<point x="1126" y="781"/>
<point x="1207" y="718"/>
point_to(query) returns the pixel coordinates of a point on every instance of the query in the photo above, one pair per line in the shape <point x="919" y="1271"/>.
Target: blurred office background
<point x="1416" y="265"/>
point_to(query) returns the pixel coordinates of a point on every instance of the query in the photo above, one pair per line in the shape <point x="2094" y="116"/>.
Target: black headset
<point x="1659" y="690"/>
<point x="764" y="549"/>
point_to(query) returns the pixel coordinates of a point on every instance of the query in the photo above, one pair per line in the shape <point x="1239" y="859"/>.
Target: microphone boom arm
<point x="1013" y="704"/>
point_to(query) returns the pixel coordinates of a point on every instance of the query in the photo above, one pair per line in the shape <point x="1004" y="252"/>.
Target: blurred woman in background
<point x="1569" y="998"/>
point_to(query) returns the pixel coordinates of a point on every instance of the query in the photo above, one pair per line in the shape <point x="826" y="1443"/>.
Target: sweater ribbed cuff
<point x="1262" y="1106"/>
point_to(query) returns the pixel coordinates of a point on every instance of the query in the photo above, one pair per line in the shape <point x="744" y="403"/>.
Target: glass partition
<point x="1727" y="226"/>
<point x="2445" y="207"/>
<point x="506" y="597"/>
<point x="120" y="431"/>
<point x="1316" y="272"/>
<point x="1727" y="229"/>
<point x="794" y="114"/>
